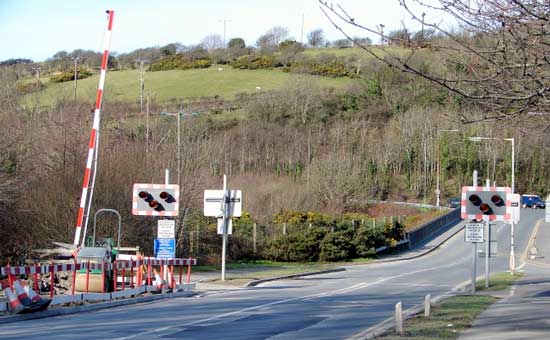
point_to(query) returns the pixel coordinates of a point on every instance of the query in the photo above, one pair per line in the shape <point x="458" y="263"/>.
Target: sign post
<point x="223" y="204"/>
<point x="474" y="234"/>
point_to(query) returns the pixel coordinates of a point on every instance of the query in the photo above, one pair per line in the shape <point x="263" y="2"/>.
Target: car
<point x="532" y="201"/>
<point x="453" y="202"/>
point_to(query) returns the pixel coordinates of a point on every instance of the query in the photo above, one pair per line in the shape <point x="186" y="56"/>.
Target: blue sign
<point x="165" y="248"/>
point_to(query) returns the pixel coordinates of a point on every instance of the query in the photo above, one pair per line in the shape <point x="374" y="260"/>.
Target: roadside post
<point x="474" y="233"/>
<point x="223" y="204"/>
<point x="547" y="210"/>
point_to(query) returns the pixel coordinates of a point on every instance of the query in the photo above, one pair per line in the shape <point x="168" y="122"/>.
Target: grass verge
<point x="241" y="273"/>
<point x="453" y="315"/>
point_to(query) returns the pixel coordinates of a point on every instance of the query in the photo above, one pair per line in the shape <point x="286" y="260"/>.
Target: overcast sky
<point x="37" y="29"/>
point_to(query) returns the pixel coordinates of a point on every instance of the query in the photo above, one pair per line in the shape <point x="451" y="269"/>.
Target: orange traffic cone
<point x="32" y="295"/>
<point x="21" y="294"/>
<point x="15" y="305"/>
<point x="158" y="280"/>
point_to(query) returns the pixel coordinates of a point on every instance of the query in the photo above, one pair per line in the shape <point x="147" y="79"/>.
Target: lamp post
<point x="438" y="168"/>
<point x="512" y="141"/>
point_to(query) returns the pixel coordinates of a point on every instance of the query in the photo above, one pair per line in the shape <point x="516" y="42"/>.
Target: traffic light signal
<point x="155" y="199"/>
<point x="486" y="203"/>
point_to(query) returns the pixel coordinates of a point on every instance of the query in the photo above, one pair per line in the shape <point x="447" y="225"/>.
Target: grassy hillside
<point x="166" y="85"/>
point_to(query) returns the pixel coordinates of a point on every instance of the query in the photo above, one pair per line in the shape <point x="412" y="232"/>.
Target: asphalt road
<point x="331" y="306"/>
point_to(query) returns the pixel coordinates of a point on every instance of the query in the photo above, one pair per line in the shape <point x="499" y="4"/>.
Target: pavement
<point x="523" y="311"/>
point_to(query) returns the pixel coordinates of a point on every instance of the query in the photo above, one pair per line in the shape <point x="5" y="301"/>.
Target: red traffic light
<point x="485" y="208"/>
<point x="143" y="194"/>
<point x="156" y="205"/>
<point x="497" y="200"/>
<point x="167" y="197"/>
<point x="475" y="199"/>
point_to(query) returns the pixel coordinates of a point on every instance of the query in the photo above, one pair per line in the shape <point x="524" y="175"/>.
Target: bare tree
<point x="316" y="38"/>
<point x="272" y="38"/>
<point x="495" y="57"/>
<point x="212" y="42"/>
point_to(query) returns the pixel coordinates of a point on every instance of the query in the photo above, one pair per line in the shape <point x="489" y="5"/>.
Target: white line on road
<point x="273" y="303"/>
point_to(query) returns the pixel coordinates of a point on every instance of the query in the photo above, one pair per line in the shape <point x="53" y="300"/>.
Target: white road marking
<point x="273" y="303"/>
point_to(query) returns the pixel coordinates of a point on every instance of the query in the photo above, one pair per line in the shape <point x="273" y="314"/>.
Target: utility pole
<point x="141" y="86"/>
<point x="75" y="59"/>
<point x="382" y="34"/>
<point x="225" y="21"/>
<point x="302" y="34"/>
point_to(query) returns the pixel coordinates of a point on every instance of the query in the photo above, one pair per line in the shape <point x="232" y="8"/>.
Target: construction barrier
<point x="90" y="281"/>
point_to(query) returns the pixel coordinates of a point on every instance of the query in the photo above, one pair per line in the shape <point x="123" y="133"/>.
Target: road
<point x="332" y="306"/>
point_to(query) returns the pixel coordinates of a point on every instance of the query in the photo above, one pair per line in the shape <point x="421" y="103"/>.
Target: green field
<point x="175" y="84"/>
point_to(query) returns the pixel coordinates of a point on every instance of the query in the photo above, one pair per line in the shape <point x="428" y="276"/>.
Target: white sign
<point x="213" y="203"/>
<point x="515" y="207"/>
<point x="229" y="226"/>
<point x="166" y="229"/>
<point x="474" y="232"/>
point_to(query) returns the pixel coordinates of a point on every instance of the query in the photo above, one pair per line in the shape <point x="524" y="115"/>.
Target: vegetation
<point x="291" y="141"/>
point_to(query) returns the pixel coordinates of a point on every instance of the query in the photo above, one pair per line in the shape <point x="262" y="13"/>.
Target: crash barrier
<point x="94" y="281"/>
<point x="433" y="228"/>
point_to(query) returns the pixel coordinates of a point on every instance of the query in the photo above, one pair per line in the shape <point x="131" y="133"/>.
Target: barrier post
<point x="51" y="280"/>
<point x="131" y="273"/>
<point x="172" y="280"/>
<point x="149" y="272"/>
<point x="189" y="270"/>
<point x="181" y="272"/>
<point x="161" y="274"/>
<point x="10" y="278"/>
<point x="123" y="277"/>
<point x="35" y="278"/>
<point x="103" y="277"/>
<point x="74" y="277"/>
<point x="114" y="276"/>
<point x="87" y="275"/>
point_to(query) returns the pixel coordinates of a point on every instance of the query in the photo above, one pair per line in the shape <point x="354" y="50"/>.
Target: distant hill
<point x="218" y="80"/>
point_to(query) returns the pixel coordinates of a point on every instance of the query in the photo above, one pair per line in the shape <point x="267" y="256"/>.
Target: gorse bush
<point x="69" y="75"/>
<point x="334" y="239"/>
<point x="179" y="62"/>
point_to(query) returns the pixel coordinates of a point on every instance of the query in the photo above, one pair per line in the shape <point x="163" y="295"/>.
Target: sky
<point x="37" y="29"/>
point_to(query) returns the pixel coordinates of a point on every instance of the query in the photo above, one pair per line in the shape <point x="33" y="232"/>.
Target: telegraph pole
<point x="75" y="59"/>
<point x="141" y="86"/>
<point x="225" y="21"/>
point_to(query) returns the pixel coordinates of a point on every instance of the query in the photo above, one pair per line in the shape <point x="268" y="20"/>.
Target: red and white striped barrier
<point x="95" y="131"/>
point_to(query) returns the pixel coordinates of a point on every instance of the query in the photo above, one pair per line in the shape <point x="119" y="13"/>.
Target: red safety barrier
<point x="137" y="268"/>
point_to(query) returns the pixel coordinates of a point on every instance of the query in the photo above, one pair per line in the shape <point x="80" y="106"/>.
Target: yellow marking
<point x="523" y="257"/>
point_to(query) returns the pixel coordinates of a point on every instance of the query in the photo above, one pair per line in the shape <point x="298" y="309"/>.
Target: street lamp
<point x="512" y="141"/>
<point x="438" y="168"/>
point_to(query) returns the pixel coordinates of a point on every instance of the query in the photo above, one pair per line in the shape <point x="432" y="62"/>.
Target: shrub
<point x="179" y="62"/>
<point x="69" y="75"/>
<point x="337" y="246"/>
<point x="255" y="62"/>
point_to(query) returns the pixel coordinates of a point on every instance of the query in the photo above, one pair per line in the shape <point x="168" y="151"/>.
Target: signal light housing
<point x="155" y="199"/>
<point x="489" y="203"/>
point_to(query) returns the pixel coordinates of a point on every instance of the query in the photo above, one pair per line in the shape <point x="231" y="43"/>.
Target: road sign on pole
<point x="229" y="226"/>
<point x="166" y="229"/>
<point x="165" y="248"/>
<point x="474" y="232"/>
<point x="214" y="203"/>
